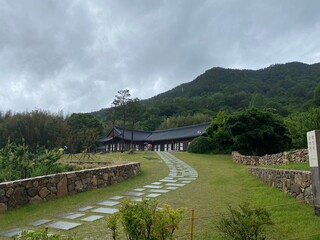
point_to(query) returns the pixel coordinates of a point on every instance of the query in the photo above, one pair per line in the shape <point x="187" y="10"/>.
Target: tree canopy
<point x="251" y="132"/>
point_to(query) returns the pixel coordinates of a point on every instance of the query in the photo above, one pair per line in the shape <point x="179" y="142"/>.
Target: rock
<point x="44" y="192"/>
<point x="2" y="192"/>
<point x="94" y="181"/>
<point x="32" y="192"/>
<point x="9" y="192"/>
<point x="62" y="187"/>
<point x="35" y="199"/>
<point x="78" y="186"/>
<point x="71" y="187"/>
<point x="18" y="198"/>
<point x="105" y="176"/>
<point x="3" y="207"/>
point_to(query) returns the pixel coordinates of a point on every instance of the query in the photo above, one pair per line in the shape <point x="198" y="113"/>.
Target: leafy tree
<point x="134" y="111"/>
<point x="258" y="132"/>
<point x="200" y="145"/>
<point x="84" y="130"/>
<point x="317" y="95"/>
<point x="246" y="224"/>
<point x="219" y="133"/>
<point x="300" y="123"/>
<point x="180" y="121"/>
<point x="120" y="103"/>
<point x="36" y="128"/>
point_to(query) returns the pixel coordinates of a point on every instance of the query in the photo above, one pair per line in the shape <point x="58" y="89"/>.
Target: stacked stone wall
<point x="300" y="155"/>
<point x="293" y="182"/>
<point x="18" y="193"/>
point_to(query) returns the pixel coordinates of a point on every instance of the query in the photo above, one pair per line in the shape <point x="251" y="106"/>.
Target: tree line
<point x="257" y="132"/>
<point x="288" y="88"/>
<point x="40" y="128"/>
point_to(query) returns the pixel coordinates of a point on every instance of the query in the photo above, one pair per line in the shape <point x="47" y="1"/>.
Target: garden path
<point x="180" y="174"/>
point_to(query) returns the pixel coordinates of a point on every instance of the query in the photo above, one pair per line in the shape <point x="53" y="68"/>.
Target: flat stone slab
<point x="92" y="218"/>
<point x="74" y="216"/>
<point x="186" y="182"/>
<point x="173" y="175"/>
<point x="85" y="208"/>
<point x="66" y="214"/>
<point x="168" y="180"/>
<point x="108" y="203"/>
<point x="176" y="184"/>
<point x="188" y="179"/>
<point x="172" y="188"/>
<point x="116" y="197"/>
<point x="159" y="190"/>
<point x="139" y="189"/>
<point x="11" y="232"/>
<point x="40" y="222"/>
<point x="152" y="186"/>
<point x="64" y="225"/>
<point x="135" y="194"/>
<point x="153" y="195"/>
<point x="105" y="210"/>
<point x="157" y="183"/>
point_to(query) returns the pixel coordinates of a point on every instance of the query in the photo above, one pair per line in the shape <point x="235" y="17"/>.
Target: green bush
<point x="17" y="161"/>
<point x="200" y="145"/>
<point x="145" y="220"/>
<point x="246" y="224"/>
<point x="39" y="235"/>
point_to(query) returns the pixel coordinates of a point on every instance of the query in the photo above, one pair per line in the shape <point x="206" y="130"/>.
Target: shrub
<point x="246" y="224"/>
<point x="145" y="220"/>
<point x="39" y="235"/>
<point x="18" y="161"/>
<point x="200" y="145"/>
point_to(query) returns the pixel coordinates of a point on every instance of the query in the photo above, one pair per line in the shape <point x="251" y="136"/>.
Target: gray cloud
<point x="75" y="55"/>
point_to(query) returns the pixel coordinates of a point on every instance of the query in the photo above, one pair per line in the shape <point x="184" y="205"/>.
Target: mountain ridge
<point x="287" y="88"/>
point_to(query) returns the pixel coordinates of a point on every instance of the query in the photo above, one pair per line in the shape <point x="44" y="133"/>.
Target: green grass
<point x="221" y="182"/>
<point x="152" y="170"/>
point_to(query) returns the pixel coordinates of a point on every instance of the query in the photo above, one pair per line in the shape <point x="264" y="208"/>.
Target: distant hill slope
<point x="286" y="87"/>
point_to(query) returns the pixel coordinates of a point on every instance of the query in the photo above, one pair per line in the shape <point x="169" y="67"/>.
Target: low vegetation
<point x="145" y="220"/>
<point x="245" y="224"/>
<point x="17" y="161"/>
<point x="200" y="145"/>
<point x="221" y="183"/>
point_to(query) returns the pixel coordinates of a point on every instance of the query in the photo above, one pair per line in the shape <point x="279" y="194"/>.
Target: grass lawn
<point x="221" y="182"/>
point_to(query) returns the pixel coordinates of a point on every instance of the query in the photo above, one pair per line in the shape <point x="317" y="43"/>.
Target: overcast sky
<point x="74" y="55"/>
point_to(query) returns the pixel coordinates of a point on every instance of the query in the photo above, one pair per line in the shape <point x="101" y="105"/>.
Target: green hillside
<point x="288" y="88"/>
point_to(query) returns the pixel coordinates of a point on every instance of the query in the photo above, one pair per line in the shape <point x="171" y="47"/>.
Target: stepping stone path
<point x="180" y="174"/>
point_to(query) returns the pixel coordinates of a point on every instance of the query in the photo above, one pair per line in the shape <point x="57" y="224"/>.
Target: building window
<point x="181" y="146"/>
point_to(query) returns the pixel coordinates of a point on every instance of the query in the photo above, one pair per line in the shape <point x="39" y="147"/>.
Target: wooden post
<point x="192" y="223"/>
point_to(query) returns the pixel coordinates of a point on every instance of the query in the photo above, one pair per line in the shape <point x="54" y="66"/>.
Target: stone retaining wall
<point x="17" y="193"/>
<point x="300" y="155"/>
<point x="293" y="182"/>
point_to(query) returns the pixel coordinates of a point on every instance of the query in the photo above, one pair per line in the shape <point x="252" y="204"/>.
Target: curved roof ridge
<point x="127" y="129"/>
<point x="184" y="127"/>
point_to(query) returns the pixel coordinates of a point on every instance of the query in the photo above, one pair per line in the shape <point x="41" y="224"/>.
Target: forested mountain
<point x="287" y="88"/>
<point x="291" y="90"/>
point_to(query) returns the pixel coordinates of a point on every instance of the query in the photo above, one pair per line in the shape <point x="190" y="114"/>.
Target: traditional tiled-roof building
<point x="175" y="139"/>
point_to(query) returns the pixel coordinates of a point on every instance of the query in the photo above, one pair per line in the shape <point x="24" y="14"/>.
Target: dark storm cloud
<point x="75" y="55"/>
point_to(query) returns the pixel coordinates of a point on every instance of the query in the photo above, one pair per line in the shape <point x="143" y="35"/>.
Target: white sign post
<point x="313" y="138"/>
